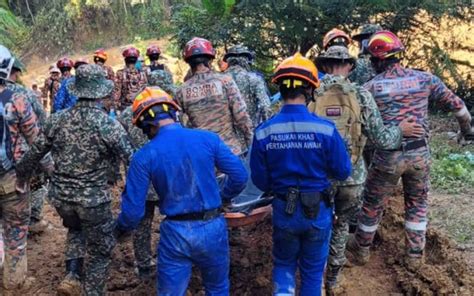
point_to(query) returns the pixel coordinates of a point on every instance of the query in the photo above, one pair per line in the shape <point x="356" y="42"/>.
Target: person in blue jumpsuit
<point x="293" y="155"/>
<point x="180" y="164"/>
<point x="64" y="99"/>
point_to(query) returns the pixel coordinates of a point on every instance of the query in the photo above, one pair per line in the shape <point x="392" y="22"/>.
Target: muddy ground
<point x="446" y="271"/>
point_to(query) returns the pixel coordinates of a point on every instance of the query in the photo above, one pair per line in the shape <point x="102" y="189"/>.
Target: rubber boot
<point x="355" y="253"/>
<point x="71" y="285"/>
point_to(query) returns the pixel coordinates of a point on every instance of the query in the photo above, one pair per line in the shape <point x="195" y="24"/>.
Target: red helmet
<point x="385" y="44"/>
<point x="80" y="61"/>
<point x="65" y="63"/>
<point x="131" y="52"/>
<point x="334" y="34"/>
<point x="153" y="49"/>
<point x="101" y="53"/>
<point x="198" y="47"/>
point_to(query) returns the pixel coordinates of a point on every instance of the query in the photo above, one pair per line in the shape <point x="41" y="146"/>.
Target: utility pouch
<point x="291" y="200"/>
<point x="310" y="202"/>
<point x="328" y="195"/>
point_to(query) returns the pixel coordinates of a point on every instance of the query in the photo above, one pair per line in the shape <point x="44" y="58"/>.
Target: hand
<point x="411" y="129"/>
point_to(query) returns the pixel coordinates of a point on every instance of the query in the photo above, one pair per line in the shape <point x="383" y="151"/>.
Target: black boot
<point x="71" y="285"/>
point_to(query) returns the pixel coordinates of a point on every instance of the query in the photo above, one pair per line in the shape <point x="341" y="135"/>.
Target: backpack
<point x="6" y="152"/>
<point x="338" y="102"/>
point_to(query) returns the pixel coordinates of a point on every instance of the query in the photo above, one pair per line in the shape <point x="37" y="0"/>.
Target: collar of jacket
<point x="300" y="108"/>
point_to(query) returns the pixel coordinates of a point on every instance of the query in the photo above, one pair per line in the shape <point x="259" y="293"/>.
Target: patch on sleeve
<point x="333" y="111"/>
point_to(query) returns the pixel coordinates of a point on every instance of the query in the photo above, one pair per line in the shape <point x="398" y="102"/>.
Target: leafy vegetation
<point x="453" y="166"/>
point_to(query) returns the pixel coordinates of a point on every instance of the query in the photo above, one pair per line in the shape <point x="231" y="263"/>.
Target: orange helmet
<point x="101" y="53"/>
<point x="336" y="36"/>
<point x="147" y="99"/>
<point x="385" y="44"/>
<point x="297" y="66"/>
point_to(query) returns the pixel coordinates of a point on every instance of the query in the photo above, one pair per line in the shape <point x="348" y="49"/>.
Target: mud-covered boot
<point x="71" y="285"/>
<point x="413" y="264"/>
<point x="333" y="285"/>
<point x="357" y="254"/>
<point x="37" y="226"/>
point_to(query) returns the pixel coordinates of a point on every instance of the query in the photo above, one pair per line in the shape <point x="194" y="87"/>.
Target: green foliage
<point x="10" y="26"/>
<point x="453" y="166"/>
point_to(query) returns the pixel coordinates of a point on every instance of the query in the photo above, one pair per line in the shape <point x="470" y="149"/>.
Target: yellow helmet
<point x="294" y="67"/>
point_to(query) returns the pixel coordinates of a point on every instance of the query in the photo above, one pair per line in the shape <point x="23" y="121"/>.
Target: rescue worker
<point x="162" y="79"/>
<point x="38" y="184"/>
<point x="212" y="101"/>
<point x="36" y="91"/>
<point x="252" y="87"/>
<point x="18" y="120"/>
<point x="153" y="52"/>
<point x="51" y="86"/>
<point x="335" y="94"/>
<point x="336" y="37"/>
<point x="180" y="164"/>
<point x="399" y="93"/>
<point x="363" y="70"/>
<point x="83" y="139"/>
<point x="129" y="80"/>
<point x="65" y="65"/>
<point x="293" y="154"/>
<point x="64" y="99"/>
<point x="100" y="57"/>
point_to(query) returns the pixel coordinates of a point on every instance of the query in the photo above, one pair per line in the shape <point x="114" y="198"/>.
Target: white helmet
<point x="6" y="62"/>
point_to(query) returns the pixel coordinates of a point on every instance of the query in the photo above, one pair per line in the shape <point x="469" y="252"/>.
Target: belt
<point x="412" y="145"/>
<point x="284" y="196"/>
<point x="205" y="215"/>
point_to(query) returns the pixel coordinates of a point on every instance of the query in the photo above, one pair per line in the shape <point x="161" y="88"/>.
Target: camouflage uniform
<point x="38" y="189"/>
<point x="108" y="102"/>
<point x="128" y="82"/>
<point x="347" y="199"/>
<point x="22" y="123"/>
<point x="142" y="236"/>
<point x="400" y="93"/>
<point x="83" y="141"/>
<point x="51" y="87"/>
<point x="252" y="88"/>
<point x="212" y="102"/>
<point x="364" y="71"/>
<point x="155" y="66"/>
<point x="162" y="79"/>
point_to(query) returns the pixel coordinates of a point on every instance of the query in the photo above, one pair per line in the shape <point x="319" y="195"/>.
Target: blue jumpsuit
<point x="180" y="163"/>
<point x="64" y="99"/>
<point x="298" y="149"/>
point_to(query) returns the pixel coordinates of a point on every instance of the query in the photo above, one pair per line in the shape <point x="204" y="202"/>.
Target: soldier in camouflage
<point x="212" y="101"/>
<point x="162" y="79"/>
<point x="142" y="235"/>
<point x="401" y="93"/>
<point x="18" y="121"/>
<point x="100" y="57"/>
<point x="38" y="183"/>
<point x="337" y="63"/>
<point x="252" y="87"/>
<point x="363" y="70"/>
<point x="83" y="140"/>
<point x="51" y="86"/>
<point x="129" y="80"/>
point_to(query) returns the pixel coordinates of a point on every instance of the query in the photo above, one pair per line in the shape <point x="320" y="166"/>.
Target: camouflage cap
<point x="90" y="82"/>
<point x="239" y="50"/>
<point x="162" y="79"/>
<point x="336" y="52"/>
<point x="366" y="31"/>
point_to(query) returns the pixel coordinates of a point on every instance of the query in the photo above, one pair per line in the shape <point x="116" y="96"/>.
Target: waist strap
<point x="205" y="215"/>
<point x="412" y="145"/>
<point x="300" y="195"/>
